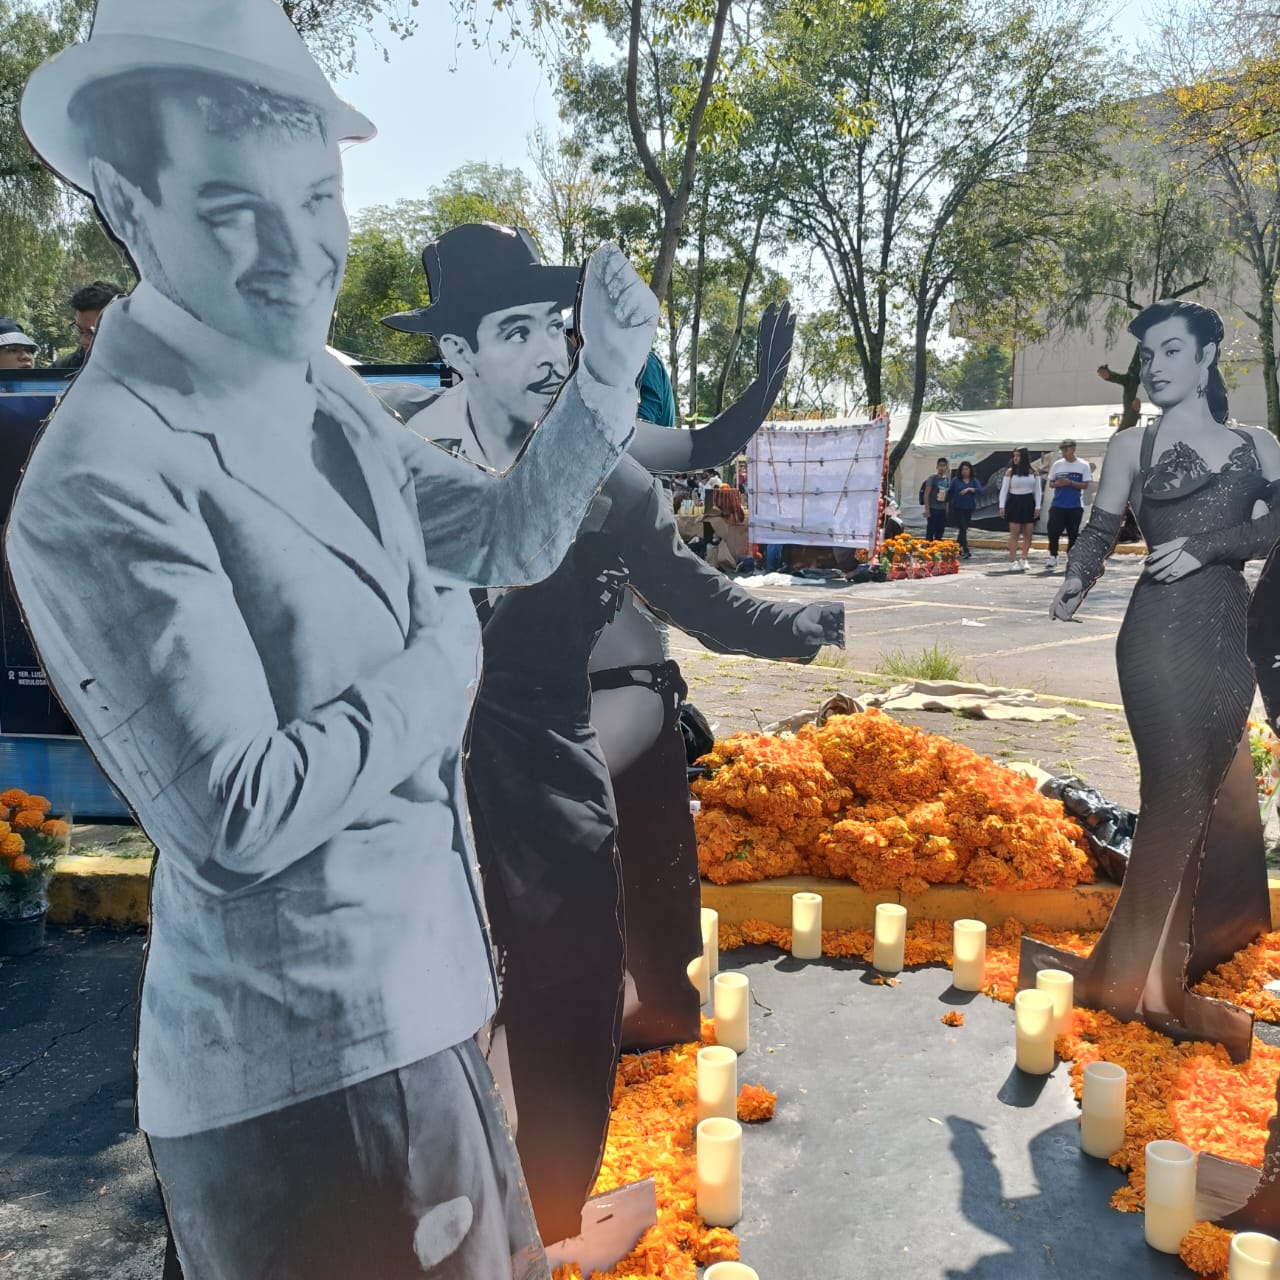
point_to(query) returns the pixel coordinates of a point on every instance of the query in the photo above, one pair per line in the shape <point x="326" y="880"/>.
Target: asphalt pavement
<point x="902" y="1149"/>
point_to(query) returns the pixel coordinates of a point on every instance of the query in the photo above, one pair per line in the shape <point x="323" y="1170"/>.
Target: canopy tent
<point x="987" y="437"/>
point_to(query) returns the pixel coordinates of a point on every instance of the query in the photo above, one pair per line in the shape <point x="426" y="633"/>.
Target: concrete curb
<point x="1042" y="544"/>
<point x="100" y="890"/>
<point x="115" y="891"/>
<point x="845" y="906"/>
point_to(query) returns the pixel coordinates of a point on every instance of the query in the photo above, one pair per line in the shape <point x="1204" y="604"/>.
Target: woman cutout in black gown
<point x="1196" y="888"/>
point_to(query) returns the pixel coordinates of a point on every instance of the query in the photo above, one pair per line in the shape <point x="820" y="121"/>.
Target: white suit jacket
<point x="230" y="638"/>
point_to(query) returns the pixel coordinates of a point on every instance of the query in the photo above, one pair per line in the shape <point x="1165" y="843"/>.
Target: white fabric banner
<point x="817" y="485"/>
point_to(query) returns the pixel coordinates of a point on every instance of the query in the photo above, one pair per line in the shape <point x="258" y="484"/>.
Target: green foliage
<point x="924" y="149"/>
<point x="937" y="662"/>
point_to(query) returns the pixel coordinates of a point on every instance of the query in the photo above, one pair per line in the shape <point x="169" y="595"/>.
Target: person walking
<point x="1020" y="505"/>
<point x="935" y="502"/>
<point x="966" y="488"/>
<point x="1069" y="477"/>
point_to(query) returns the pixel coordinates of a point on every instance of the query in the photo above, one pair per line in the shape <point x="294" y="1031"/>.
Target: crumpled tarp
<point x="978" y="701"/>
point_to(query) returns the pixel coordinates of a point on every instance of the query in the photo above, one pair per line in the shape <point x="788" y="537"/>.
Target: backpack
<point x="923" y="490"/>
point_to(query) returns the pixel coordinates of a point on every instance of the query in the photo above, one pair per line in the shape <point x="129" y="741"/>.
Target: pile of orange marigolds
<point x="883" y="804"/>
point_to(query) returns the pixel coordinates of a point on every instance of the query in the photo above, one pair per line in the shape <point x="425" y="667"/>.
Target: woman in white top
<point x="1020" y="505"/>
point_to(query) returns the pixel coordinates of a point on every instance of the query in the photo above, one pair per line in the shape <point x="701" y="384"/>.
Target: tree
<point x="332" y="28"/>
<point x="1139" y="234"/>
<point x="926" y="146"/>
<point x="671" y="82"/>
<point x="1222" y="108"/>
<point x="384" y="272"/>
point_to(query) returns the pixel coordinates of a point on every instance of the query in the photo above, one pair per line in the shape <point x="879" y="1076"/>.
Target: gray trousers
<point x="410" y="1174"/>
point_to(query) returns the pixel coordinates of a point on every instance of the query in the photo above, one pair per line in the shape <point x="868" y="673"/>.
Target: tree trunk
<point x="743" y="293"/>
<point x="673" y="349"/>
<point x="1130" y="387"/>
<point x="695" y="326"/>
<point x="1267" y="341"/>
<point x="919" y="380"/>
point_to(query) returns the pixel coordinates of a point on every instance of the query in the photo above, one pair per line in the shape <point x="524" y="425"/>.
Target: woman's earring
<point x="1200" y="391"/>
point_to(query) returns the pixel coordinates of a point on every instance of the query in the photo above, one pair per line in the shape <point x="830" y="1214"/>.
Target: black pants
<point x="1063" y="520"/>
<point x="659" y="853"/>
<point x="410" y="1174"/>
<point x="962" y="518"/>
<point x="936" y="526"/>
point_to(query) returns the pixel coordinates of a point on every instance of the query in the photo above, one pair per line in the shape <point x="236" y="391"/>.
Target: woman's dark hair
<point x="960" y="471"/>
<point x="1020" y="463"/>
<point x="1205" y="325"/>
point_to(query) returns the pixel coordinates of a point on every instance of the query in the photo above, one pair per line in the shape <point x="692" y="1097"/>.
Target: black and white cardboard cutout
<point x="249" y="588"/>
<point x="542" y="798"/>
<point x="1195" y="889"/>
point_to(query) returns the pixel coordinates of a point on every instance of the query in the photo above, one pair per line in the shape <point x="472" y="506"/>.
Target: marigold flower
<point x="12" y="844"/>
<point x="13" y="798"/>
<point x="755" y="1103"/>
<point x="28" y="820"/>
<point x="22" y="863"/>
<point x="953" y="1019"/>
<point x="55" y="827"/>
<point x="37" y="802"/>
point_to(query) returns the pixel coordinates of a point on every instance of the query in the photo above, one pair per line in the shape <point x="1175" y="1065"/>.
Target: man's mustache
<point x="548" y="383"/>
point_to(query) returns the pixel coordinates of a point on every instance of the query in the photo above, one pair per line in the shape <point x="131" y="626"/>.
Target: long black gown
<point x="1195" y="890"/>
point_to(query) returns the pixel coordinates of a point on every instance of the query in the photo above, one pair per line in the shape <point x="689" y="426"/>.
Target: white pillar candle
<point x="731" y="993"/>
<point x="711" y="940"/>
<point x="717" y="1082"/>
<point x="1171" y="1194"/>
<point x="891" y="937"/>
<point x="1253" y="1257"/>
<point x="719" y="1171"/>
<point x="729" y="1271"/>
<point x="1033" y="1032"/>
<point x="700" y="978"/>
<point x="1102" y="1109"/>
<point x="969" y="955"/>
<point x="806" y="926"/>
<point x="1061" y="986"/>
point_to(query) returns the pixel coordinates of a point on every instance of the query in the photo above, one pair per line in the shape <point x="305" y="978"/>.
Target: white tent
<point x="986" y="437"/>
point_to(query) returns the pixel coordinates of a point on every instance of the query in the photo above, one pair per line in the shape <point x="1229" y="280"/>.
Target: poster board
<point x="817" y="485"/>
<point x="27" y="706"/>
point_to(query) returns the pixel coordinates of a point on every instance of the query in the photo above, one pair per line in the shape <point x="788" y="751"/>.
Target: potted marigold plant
<point x="30" y="842"/>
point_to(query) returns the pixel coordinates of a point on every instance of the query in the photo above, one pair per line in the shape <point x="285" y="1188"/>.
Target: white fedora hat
<point x="246" y="40"/>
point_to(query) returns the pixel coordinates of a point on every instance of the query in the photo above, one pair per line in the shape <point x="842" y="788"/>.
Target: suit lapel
<point x="276" y="463"/>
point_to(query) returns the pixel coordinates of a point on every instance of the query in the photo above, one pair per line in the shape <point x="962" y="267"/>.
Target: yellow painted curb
<point x="1042" y="544"/>
<point x="99" y="890"/>
<point x="89" y="890"/>
<point x="846" y="906"/>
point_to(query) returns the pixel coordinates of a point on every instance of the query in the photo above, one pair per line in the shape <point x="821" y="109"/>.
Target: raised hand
<point x="617" y="317"/>
<point x="773" y="351"/>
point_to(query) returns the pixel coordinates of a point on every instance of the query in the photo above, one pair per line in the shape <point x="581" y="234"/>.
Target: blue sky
<point x="431" y="119"/>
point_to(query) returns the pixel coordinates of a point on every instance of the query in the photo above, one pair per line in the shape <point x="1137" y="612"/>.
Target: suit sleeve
<point x="144" y="642"/>
<point x="686" y="591"/>
<point x="509" y="529"/>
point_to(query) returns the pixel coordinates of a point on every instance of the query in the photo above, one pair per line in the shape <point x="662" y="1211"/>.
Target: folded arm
<point x="144" y="642"/>
<point x="1252" y="539"/>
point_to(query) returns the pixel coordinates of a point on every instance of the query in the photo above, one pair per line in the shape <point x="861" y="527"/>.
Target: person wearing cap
<point x="539" y="763"/>
<point x="1068" y="479"/>
<point x="250" y="589"/>
<point x="17" y="351"/>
